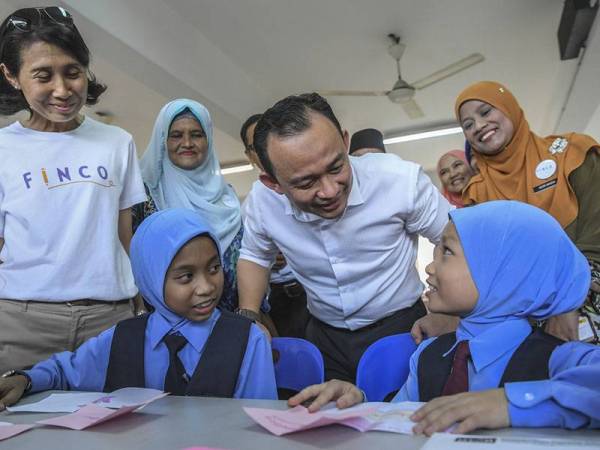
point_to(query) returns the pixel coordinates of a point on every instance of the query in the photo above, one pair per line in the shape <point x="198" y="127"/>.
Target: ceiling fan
<point x="403" y="92"/>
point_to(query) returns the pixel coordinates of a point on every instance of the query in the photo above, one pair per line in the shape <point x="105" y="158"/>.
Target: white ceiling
<point x="239" y="56"/>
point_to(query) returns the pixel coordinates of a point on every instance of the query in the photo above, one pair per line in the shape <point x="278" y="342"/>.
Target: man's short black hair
<point x="247" y="124"/>
<point x="289" y="117"/>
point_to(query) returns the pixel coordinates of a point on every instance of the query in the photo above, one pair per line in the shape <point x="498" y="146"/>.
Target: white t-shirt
<point x="360" y="267"/>
<point x="60" y="196"/>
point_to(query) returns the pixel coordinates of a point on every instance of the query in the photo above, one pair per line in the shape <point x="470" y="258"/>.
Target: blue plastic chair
<point x="383" y="368"/>
<point x="299" y="364"/>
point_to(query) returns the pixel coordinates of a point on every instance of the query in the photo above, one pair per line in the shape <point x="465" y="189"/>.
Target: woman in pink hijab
<point x="454" y="173"/>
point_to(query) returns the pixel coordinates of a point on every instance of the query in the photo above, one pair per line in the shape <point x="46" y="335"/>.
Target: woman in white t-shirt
<point x="67" y="184"/>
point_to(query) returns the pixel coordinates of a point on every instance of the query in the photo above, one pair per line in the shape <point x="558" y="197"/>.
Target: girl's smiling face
<point x="451" y="287"/>
<point x="194" y="280"/>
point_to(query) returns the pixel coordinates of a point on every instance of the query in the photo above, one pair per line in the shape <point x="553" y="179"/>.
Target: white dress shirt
<point x="360" y="267"/>
<point x="283" y="275"/>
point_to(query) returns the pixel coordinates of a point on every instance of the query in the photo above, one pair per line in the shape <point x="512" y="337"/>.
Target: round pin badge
<point x="545" y="169"/>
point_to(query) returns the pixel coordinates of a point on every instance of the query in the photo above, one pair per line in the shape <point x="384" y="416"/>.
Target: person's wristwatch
<point x="13" y="372"/>
<point x="248" y="314"/>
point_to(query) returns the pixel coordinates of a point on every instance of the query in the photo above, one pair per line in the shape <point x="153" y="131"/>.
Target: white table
<point x="180" y="422"/>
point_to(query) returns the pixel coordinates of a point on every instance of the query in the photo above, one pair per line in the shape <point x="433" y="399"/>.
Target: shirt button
<point x="529" y="396"/>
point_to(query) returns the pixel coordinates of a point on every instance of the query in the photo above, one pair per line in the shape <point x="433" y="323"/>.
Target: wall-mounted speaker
<point x="575" y="24"/>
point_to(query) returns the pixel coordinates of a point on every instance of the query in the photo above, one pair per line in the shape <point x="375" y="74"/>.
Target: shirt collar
<point x="355" y="198"/>
<point x="196" y="333"/>
<point x="495" y="342"/>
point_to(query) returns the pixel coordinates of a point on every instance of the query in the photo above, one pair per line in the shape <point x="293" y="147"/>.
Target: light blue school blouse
<point x="85" y="369"/>
<point x="569" y="399"/>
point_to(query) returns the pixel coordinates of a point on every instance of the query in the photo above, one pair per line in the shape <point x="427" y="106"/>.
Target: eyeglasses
<point x="28" y="18"/>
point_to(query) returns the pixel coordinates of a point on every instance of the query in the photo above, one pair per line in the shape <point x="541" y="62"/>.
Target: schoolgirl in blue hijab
<point x="180" y="168"/>
<point x="176" y="265"/>
<point x="498" y="264"/>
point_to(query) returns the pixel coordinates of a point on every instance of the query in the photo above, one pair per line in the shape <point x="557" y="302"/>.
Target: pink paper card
<point x="88" y="416"/>
<point x="280" y="422"/>
<point x="392" y="417"/>
<point x="10" y="430"/>
<point x="203" y="448"/>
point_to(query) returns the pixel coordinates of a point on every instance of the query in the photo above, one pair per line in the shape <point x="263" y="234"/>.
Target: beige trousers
<point x="32" y="331"/>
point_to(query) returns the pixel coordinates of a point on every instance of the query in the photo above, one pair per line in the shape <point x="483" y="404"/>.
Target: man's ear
<point x="346" y="138"/>
<point x="14" y="82"/>
<point x="270" y="182"/>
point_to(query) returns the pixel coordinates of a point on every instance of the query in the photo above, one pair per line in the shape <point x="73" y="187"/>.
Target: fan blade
<point x="353" y="93"/>
<point x="412" y="109"/>
<point x="448" y="71"/>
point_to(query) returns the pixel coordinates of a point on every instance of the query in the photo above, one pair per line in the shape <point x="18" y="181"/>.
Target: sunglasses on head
<point x="27" y="19"/>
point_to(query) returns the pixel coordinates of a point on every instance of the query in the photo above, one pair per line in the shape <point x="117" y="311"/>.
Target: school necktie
<point x="458" y="381"/>
<point x="176" y="378"/>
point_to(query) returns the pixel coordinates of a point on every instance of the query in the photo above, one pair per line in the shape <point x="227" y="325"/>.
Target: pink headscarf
<point x="454" y="199"/>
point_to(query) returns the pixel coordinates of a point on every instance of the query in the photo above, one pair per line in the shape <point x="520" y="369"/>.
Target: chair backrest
<point x="299" y="365"/>
<point x="384" y="366"/>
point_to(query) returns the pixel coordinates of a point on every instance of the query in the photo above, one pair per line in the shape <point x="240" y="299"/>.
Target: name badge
<point x="545" y="169"/>
<point x="545" y="185"/>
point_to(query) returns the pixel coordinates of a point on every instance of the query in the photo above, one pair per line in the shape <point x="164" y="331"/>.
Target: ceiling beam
<point x="152" y="43"/>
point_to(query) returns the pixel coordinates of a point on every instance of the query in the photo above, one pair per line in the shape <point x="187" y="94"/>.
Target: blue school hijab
<point x="154" y="245"/>
<point x="523" y="264"/>
<point x="202" y="189"/>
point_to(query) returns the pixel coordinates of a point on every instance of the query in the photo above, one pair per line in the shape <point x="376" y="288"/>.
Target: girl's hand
<point x="11" y="390"/>
<point x="344" y="393"/>
<point x="469" y="411"/>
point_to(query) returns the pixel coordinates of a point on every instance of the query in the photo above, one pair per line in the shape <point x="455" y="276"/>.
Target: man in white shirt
<point x="347" y="226"/>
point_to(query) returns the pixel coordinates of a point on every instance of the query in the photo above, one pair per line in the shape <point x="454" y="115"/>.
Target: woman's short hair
<point x="62" y="36"/>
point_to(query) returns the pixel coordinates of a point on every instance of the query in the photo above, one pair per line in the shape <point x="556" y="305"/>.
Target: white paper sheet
<point x="446" y="441"/>
<point x="392" y="417"/>
<point x="69" y="402"/>
<point x="129" y="397"/>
